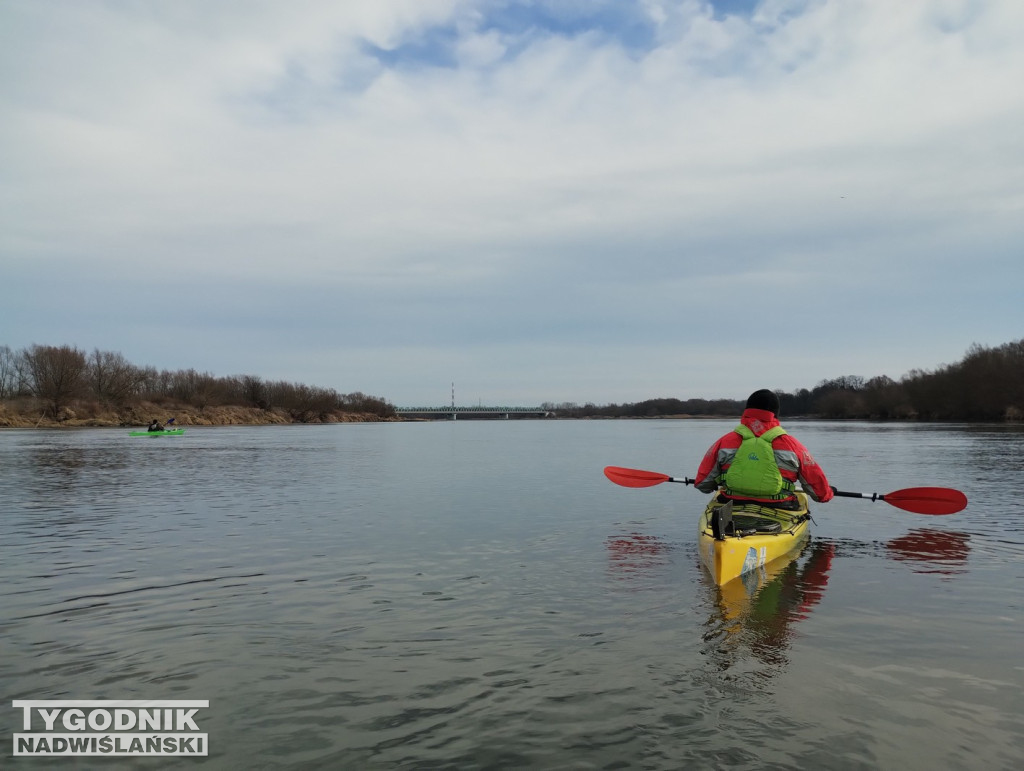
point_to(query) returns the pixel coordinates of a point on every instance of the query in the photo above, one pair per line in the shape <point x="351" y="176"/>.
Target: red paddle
<point x="920" y="500"/>
<point x="634" y="477"/>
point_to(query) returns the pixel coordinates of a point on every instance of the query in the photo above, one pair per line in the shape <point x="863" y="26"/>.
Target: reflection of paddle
<point x="920" y="500"/>
<point x="941" y="549"/>
<point x="636" y="553"/>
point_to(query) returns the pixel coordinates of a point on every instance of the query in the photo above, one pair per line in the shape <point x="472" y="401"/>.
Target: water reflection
<point x="761" y="607"/>
<point x="56" y="486"/>
<point x="924" y="550"/>
<point x="635" y="554"/>
<point x="756" y="614"/>
<point x="751" y="622"/>
<point x="932" y="551"/>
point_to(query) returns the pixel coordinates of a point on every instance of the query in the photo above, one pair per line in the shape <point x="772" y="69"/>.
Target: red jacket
<point x="794" y="461"/>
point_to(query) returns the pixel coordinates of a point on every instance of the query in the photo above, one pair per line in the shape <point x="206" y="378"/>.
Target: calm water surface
<point x="477" y="595"/>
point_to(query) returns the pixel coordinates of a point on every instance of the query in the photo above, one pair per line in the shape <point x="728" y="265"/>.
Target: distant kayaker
<point x="154" y="425"/>
<point x="759" y="461"/>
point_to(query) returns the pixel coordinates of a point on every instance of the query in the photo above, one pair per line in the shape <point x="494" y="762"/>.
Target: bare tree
<point x="254" y="391"/>
<point x="303" y="403"/>
<point x="192" y="387"/>
<point x="112" y="378"/>
<point x="55" y="375"/>
<point x="8" y="373"/>
<point x="360" y="402"/>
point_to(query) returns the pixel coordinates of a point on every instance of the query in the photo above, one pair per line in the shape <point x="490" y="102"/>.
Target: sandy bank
<point x="14" y="415"/>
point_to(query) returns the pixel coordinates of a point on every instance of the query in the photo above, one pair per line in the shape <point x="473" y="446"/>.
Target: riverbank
<point x="95" y="416"/>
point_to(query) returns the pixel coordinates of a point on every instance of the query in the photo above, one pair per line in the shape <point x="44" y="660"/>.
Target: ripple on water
<point x="479" y="596"/>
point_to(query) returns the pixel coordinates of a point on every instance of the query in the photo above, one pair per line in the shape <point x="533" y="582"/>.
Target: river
<point x="476" y="595"/>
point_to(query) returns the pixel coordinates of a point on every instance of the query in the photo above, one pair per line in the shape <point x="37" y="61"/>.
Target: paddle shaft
<point x="920" y="500"/>
<point x="872" y="496"/>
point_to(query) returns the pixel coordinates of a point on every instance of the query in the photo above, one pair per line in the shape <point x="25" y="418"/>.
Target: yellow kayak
<point x="736" y="538"/>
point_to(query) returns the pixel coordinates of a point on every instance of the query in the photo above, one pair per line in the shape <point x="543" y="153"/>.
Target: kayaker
<point x="154" y="425"/>
<point x="759" y="461"/>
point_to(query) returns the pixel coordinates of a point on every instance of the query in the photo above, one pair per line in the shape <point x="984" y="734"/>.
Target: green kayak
<point x="165" y="432"/>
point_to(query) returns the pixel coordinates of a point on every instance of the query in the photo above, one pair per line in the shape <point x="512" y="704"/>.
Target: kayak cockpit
<point x="735" y="537"/>
<point x="729" y="520"/>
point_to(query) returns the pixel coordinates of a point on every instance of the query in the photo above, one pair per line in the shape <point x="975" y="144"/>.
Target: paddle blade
<point x="632" y="477"/>
<point x="928" y="500"/>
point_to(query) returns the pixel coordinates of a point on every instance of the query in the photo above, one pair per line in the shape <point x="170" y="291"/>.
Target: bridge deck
<point x="453" y="413"/>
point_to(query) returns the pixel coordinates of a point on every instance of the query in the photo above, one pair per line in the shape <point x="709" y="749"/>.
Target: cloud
<point x="319" y="181"/>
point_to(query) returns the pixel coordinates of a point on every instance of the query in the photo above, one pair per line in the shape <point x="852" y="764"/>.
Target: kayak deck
<point x="165" y="432"/>
<point x="742" y="537"/>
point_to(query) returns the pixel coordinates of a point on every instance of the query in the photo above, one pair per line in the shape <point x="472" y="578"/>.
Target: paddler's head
<point x="764" y="400"/>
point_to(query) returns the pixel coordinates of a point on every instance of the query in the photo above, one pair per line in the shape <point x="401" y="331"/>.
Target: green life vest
<point x="754" y="472"/>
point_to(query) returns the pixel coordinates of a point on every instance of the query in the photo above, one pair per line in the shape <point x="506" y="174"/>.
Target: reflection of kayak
<point x="789" y="587"/>
<point x="738" y="538"/>
<point x="165" y="432"/>
<point x="755" y="615"/>
<point x="736" y="598"/>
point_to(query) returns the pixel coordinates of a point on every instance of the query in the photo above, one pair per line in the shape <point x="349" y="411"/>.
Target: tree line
<point x="986" y="385"/>
<point x="58" y="376"/>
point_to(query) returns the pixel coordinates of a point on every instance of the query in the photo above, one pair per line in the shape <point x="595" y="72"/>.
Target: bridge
<point x="471" y="413"/>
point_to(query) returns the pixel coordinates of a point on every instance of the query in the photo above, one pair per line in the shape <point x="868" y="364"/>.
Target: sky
<point x="598" y="201"/>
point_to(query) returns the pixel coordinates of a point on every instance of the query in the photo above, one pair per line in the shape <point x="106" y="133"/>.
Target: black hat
<point x="764" y="400"/>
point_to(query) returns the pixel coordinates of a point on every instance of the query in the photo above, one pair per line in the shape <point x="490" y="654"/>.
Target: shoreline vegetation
<point x="65" y="387"/>
<point x="84" y="415"/>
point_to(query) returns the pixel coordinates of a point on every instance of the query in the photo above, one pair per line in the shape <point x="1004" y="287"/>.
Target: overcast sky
<point x="540" y="200"/>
